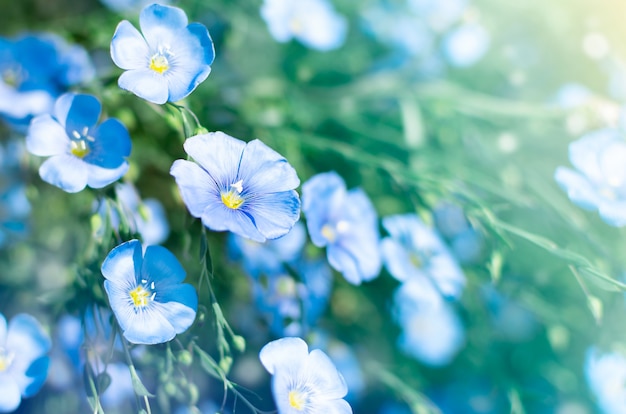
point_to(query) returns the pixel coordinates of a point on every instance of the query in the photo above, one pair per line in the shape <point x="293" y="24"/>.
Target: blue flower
<point x="431" y="331"/>
<point x="268" y="257"/>
<point x="23" y="360"/>
<point x="146" y="294"/>
<point x="34" y="70"/>
<point x="465" y="241"/>
<point x="303" y="381"/>
<point x="244" y="188"/>
<point x="169" y="61"/>
<point x="415" y="251"/>
<point x="81" y="152"/>
<point x="345" y="222"/>
<point x="14" y="206"/>
<point x="314" y="23"/>
<point x="606" y="376"/>
<point x="599" y="181"/>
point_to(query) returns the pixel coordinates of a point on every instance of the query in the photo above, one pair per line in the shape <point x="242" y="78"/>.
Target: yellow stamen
<point x="232" y="199"/>
<point x="5" y="360"/>
<point x="140" y="296"/>
<point x="296" y="400"/>
<point x="329" y="232"/>
<point x="415" y="260"/>
<point x="159" y="64"/>
<point x="79" y="148"/>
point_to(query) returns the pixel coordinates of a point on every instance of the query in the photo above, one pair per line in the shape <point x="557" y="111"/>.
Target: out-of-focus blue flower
<point x="65" y="358"/>
<point x="23" y="359"/>
<point x="466" y="44"/>
<point x="244" y="188"/>
<point x="268" y="257"/>
<point x="146" y="294"/>
<point x="431" y="331"/>
<point x="14" y="206"/>
<point x="511" y="320"/>
<point x="120" y="390"/>
<point x="572" y="95"/>
<point x="147" y="217"/>
<point x="599" y="181"/>
<point x="415" y="251"/>
<point x="125" y="6"/>
<point x="466" y="242"/>
<point x="303" y="381"/>
<point x="169" y="61"/>
<point x="314" y="23"/>
<point x="292" y="307"/>
<point x="34" y="70"/>
<point x="346" y="223"/>
<point x="606" y="376"/>
<point x="81" y="152"/>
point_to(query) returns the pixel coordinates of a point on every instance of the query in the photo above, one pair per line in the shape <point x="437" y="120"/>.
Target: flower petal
<point x="322" y="375"/>
<point x="162" y="267"/>
<point x="578" y="188"/>
<point x="218" y="217"/>
<point x="180" y="307"/>
<point x="129" y="49"/>
<point x="146" y="84"/>
<point x="613" y="213"/>
<point x="219" y="154"/>
<point x="65" y="171"/>
<point x="159" y="24"/>
<point x="46" y="137"/>
<point x="275" y="213"/>
<point x="10" y="397"/>
<point x="584" y="153"/>
<point x="322" y="195"/>
<point x="263" y="170"/>
<point x="196" y="186"/>
<point x="99" y="177"/>
<point x="123" y="264"/>
<point x="111" y="145"/>
<point x="285" y="354"/>
<point x="149" y="327"/>
<point x="77" y="112"/>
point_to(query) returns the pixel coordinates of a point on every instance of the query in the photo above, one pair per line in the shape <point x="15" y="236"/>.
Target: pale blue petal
<point x="275" y="213"/>
<point x="396" y="259"/>
<point x="197" y="188"/>
<point x="120" y="301"/>
<point x="343" y="261"/>
<point x="26" y="335"/>
<point x="219" y="154"/>
<point x="156" y="229"/>
<point x="277" y="15"/>
<point x="129" y="49"/>
<point x="159" y="24"/>
<point x="285" y="354"/>
<point x="149" y="327"/>
<point x="99" y="177"/>
<point x="123" y="264"/>
<point x="323" y="376"/>
<point x="614" y="213"/>
<point x="578" y="188"/>
<point x="111" y="146"/>
<point x="10" y="397"/>
<point x="65" y="171"/>
<point x="322" y="195"/>
<point x="447" y="275"/>
<point x="162" y="267"/>
<point x="613" y="163"/>
<point x="46" y="137"/>
<point x="180" y="312"/>
<point x="263" y="170"/>
<point x="218" y="217"/>
<point x="466" y="45"/>
<point x="584" y="153"/>
<point x="146" y="84"/>
<point x="334" y="407"/>
<point x="77" y="112"/>
<point x="321" y="27"/>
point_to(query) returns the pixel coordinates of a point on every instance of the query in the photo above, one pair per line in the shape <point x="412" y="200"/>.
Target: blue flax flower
<point x="169" y="61"/>
<point x="81" y="152"/>
<point x="146" y="294"/>
<point x="345" y="222"/>
<point x="599" y="181"/>
<point x="302" y="381"/>
<point x="431" y="331"/>
<point x="606" y="376"/>
<point x="466" y="44"/>
<point x="14" y="206"/>
<point x="34" y="70"/>
<point x="414" y="250"/>
<point x="314" y="23"/>
<point x="23" y="360"/>
<point x="244" y="188"/>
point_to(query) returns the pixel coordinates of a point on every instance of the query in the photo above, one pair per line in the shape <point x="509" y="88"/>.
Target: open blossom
<point x="414" y="250"/>
<point x="233" y="186"/>
<point x="169" y="61"/>
<point x="606" y="376"/>
<point x="23" y="359"/>
<point x="314" y="23"/>
<point x="146" y="294"/>
<point x="346" y="223"/>
<point x="303" y="382"/>
<point x="81" y="152"/>
<point x="599" y="181"/>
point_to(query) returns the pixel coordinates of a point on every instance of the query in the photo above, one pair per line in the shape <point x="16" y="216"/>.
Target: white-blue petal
<point x="322" y="375"/>
<point x="263" y="170"/>
<point x="274" y="214"/>
<point x="65" y="171"/>
<point x="177" y="313"/>
<point x="99" y="177"/>
<point x="286" y="354"/>
<point x="614" y="213"/>
<point x="129" y="49"/>
<point x="149" y="327"/>
<point x="123" y="264"/>
<point x="196" y="186"/>
<point x="159" y="24"/>
<point x="46" y="137"/>
<point x="10" y="397"/>
<point x="322" y="195"/>
<point x="219" y="154"/>
<point x="161" y="266"/>
<point x="146" y="84"/>
<point x="218" y="217"/>
<point x="578" y="188"/>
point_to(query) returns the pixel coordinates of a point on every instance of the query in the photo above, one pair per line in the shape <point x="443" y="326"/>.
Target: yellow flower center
<point x="5" y="360"/>
<point x="159" y="63"/>
<point x="415" y="259"/>
<point x="232" y="198"/>
<point x="296" y="400"/>
<point x="78" y="145"/>
<point x="141" y="297"/>
<point x="329" y="232"/>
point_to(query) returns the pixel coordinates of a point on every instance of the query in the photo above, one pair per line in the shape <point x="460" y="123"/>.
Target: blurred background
<point x="458" y="111"/>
